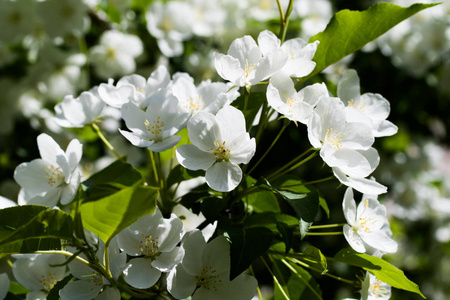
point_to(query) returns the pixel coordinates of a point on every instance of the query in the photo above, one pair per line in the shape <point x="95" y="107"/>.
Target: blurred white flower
<point x="78" y="112"/>
<point x="170" y="23"/>
<point x="365" y="224"/>
<point x="204" y="272"/>
<point x="219" y="144"/>
<point x="54" y="177"/>
<point x="115" y="54"/>
<point x="17" y="19"/>
<point x="4" y="285"/>
<point x="315" y="15"/>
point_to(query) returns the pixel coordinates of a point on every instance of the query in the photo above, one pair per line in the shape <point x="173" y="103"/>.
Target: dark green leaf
<point x="30" y="228"/>
<point x="263" y="201"/>
<point x="109" y="215"/>
<point x="348" y="31"/>
<point x="287" y="235"/>
<point x="383" y="270"/>
<point x="314" y="257"/>
<point x="180" y="173"/>
<point x="245" y="246"/>
<point x="255" y="101"/>
<point x="211" y="207"/>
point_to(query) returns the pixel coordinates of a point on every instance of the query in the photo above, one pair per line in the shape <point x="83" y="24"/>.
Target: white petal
<point x="229" y="68"/>
<point x="80" y="290"/>
<point x="115" y="96"/>
<point x="348" y="86"/>
<point x="166" y="261"/>
<point x="231" y="121"/>
<point x="217" y="255"/>
<point x="32" y="176"/>
<point x="70" y="190"/>
<point x="181" y="284"/>
<point x="268" y="41"/>
<point x="353" y="239"/>
<point x="379" y="240"/>
<point x="384" y="128"/>
<point x="140" y="274"/>
<point x="349" y="206"/>
<point x="299" y="67"/>
<point x="242" y="287"/>
<point x="193" y="245"/>
<point x="357" y="136"/>
<point x="74" y="152"/>
<point x="165" y="144"/>
<point x="192" y="158"/>
<point x="48" y="148"/>
<point x="223" y="176"/>
<point x="204" y="131"/>
<point x="135" y="139"/>
<point x="172" y="234"/>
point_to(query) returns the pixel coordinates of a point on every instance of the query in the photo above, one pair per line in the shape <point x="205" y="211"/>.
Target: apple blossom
<point x="219" y="144"/>
<point x="39" y="272"/>
<point x="78" y="112"/>
<point x="365" y="224"/>
<point x="374" y="289"/>
<point x="52" y="178"/>
<point x="155" y="238"/>
<point x="371" y="109"/>
<point x="296" y="106"/>
<point x="204" y="272"/>
<point x="244" y="63"/>
<point x="154" y="128"/>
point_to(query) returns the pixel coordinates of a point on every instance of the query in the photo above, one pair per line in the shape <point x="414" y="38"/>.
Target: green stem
<point x="301" y="278"/>
<point x="303" y="264"/>
<point x="155" y="170"/>
<point x="246" y="94"/>
<point x="292" y="162"/>
<point x="274" y="176"/>
<point x="106" y="259"/>
<point x="327" y="226"/>
<point x="103" y="138"/>
<point x="325" y="233"/>
<point x="285" y="19"/>
<point x="309" y="182"/>
<point x="66" y="253"/>
<point x="257" y="287"/>
<point x="285" y="124"/>
<point x="275" y="279"/>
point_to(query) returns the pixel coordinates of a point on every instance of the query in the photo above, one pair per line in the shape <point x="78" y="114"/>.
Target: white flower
<point x="115" y="54"/>
<point x="134" y="88"/>
<point x="5" y="202"/>
<point x="219" y="144"/>
<point x="315" y="15"/>
<point x="4" y="285"/>
<point x="361" y="184"/>
<point x="155" y="238"/>
<point x="52" y="178"/>
<point x="208" y="16"/>
<point x="340" y="142"/>
<point x="154" y="128"/>
<point x="365" y="224"/>
<point x="170" y="23"/>
<point x="38" y="273"/>
<point x="92" y="284"/>
<point x="374" y="289"/>
<point x="300" y="53"/>
<point x="78" y="112"/>
<point x="205" y="271"/>
<point x="371" y="109"/>
<point x="208" y="96"/>
<point x="296" y="106"/>
<point x="245" y="65"/>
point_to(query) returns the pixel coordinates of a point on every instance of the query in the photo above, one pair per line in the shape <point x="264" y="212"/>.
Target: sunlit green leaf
<point x="109" y="215"/>
<point x="383" y="270"/>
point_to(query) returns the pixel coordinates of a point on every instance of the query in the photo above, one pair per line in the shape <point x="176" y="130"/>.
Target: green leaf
<point x="296" y="282"/>
<point x="383" y="270"/>
<point x="245" y="246"/>
<point x="109" y="215"/>
<point x="30" y="228"/>
<point x="263" y="201"/>
<point x="211" y="207"/>
<point x="348" y="31"/>
<point x="255" y="101"/>
<point x="314" y="257"/>
<point x="305" y="205"/>
<point x="111" y="179"/>
<point x="16" y="288"/>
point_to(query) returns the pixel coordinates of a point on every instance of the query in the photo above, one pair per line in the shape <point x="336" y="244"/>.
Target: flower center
<point x="291" y="54"/>
<point x="333" y="138"/>
<point x="291" y="101"/>
<point x="166" y="24"/>
<point x="378" y="289"/>
<point x="54" y="175"/>
<point x="209" y="279"/>
<point x="149" y="246"/>
<point x="365" y="223"/>
<point x="140" y="90"/>
<point x="221" y="152"/>
<point x="155" y="129"/>
<point x="248" y="68"/>
<point x="48" y="281"/>
<point x="359" y="105"/>
<point x="96" y="279"/>
<point x="194" y="105"/>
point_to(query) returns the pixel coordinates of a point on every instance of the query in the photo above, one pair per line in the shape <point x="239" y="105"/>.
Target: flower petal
<point x="180" y="284"/>
<point x="223" y="176"/>
<point x="166" y="261"/>
<point x="139" y="273"/>
<point x="192" y="158"/>
<point x="354" y="239"/>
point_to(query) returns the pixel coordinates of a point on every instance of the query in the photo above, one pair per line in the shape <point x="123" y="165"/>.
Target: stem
<point x="294" y="260"/>
<point x="155" y="171"/>
<point x="257" y="287"/>
<point x="275" y="279"/>
<point x="292" y="162"/>
<point x="285" y="124"/>
<point x="275" y="175"/>
<point x="106" y="259"/>
<point x="246" y="94"/>
<point x="301" y="278"/>
<point x="327" y="226"/>
<point x="309" y="182"/>
<point x="103" y="138"/>
<point x="285" y="19"/>
<point x="324" y="233"/>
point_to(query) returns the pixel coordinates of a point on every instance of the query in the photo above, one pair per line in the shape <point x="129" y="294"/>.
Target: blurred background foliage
<point x="41" y="62"/>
